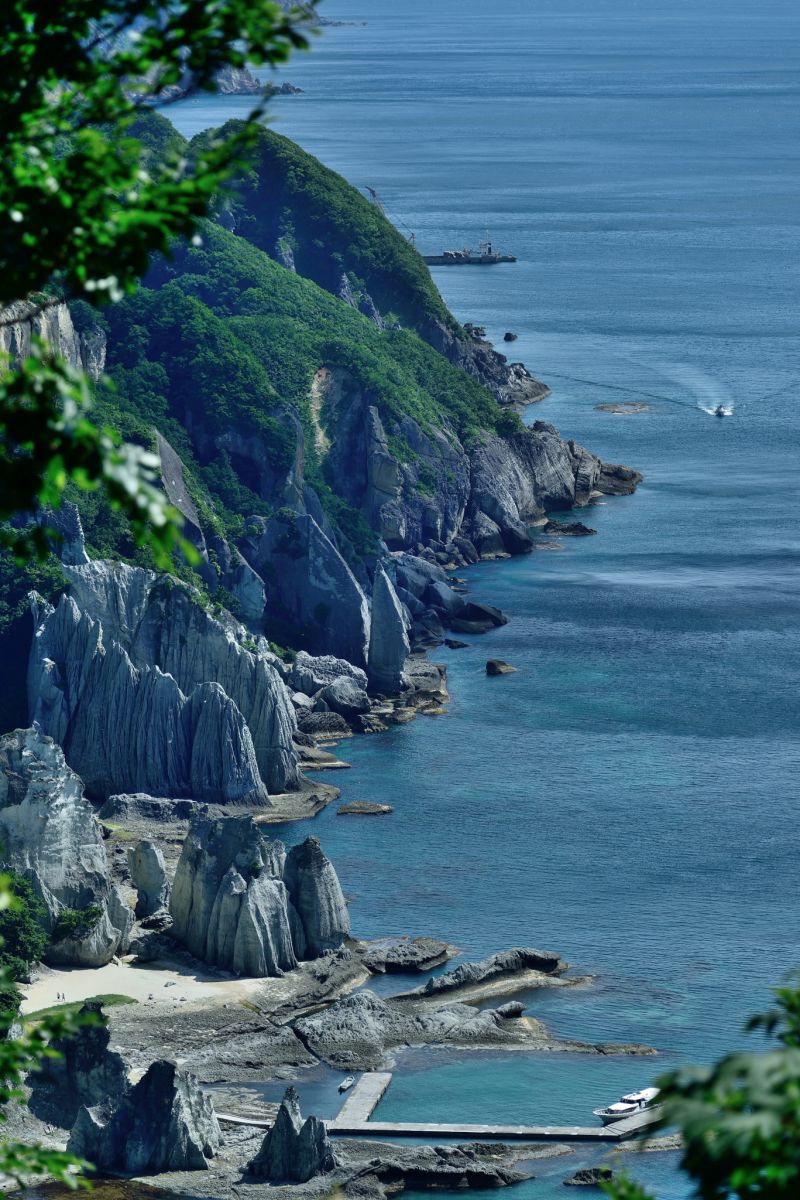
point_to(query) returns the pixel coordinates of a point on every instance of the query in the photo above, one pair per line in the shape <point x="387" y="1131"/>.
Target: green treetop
<point x="81" y="214"/>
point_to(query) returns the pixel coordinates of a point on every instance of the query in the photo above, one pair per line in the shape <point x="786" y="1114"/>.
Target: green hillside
<point x="221" y="336"/>
<point x="289" y="196"/>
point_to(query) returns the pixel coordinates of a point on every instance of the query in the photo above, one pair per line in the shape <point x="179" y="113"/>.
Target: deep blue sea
<point x="630" y="797"/>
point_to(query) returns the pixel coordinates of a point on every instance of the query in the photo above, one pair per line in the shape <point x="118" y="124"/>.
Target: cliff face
<point x="242" y="903"/>
<point x="147" y="692"/>
<point x="420" y="486"/>
<point x="164" y="1123"/>
<point x="85" y="350"/>
<point x="49" y="834"/>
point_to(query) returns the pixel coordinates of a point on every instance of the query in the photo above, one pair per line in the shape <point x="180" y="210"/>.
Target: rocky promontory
<point x="241" y="902"/>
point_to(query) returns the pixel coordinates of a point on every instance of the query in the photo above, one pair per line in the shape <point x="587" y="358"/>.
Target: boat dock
<point x="354" y="1120"/>
<point x="363" y="1099"/>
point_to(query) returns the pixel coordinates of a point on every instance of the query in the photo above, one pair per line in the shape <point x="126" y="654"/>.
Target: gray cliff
<point x="316" y="894"/>
<point x="164" y="1123"/>
<point x="240" y="902"/>
<point x="314" y="600"/>
<point x="147" y="692"/>
<point x="84" y="1073"/>
<point x="149" y="877"/>
<point x="294" y="1150"/>
<point x="49" y="834"/>
<point x="422" y="487"/>
<point x="388" y="643"/>
<point x="84" y="350"/>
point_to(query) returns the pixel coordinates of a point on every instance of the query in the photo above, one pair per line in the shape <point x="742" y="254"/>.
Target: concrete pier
<point x="354" y="1120"/>
<point x="362" y="1100"/>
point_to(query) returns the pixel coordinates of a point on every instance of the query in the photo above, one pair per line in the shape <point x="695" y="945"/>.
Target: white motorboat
<point x="347" y="1083"/>
<point x="627" y="1106"/>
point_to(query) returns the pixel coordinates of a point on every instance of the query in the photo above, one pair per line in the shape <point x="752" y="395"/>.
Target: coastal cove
<point x="627" y="798"/>
<point x="408" y="822"/>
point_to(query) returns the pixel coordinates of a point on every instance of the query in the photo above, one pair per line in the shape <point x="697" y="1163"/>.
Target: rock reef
<point x="497" y="970"/>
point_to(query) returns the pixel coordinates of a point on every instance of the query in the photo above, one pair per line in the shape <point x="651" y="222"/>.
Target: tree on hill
<point x="80" y="215"/>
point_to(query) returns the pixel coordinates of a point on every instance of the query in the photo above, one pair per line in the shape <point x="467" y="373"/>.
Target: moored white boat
<point x="627" y="1106"/>
<point x="347" y="1083"/>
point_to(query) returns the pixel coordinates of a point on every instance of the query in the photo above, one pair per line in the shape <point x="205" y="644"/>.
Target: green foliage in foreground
<point x="73" y="1007"/>
<point x="22" y="937"/>
<point x="18" y="1055"/>
<point x="740" y="1118"/>
<point x="80" y="215"/>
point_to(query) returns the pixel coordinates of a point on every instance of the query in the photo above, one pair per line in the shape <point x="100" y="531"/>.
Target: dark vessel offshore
<point x="487" y="256"/>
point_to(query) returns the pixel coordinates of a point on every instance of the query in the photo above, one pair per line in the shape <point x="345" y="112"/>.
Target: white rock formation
<point x="49" y="834"/>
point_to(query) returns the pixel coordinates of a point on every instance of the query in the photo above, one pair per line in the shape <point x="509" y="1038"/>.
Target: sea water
<point x="629" y="797"/>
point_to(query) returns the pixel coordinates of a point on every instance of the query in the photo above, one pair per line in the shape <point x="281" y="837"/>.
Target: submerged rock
<point x="164" y="1123"/>
<point x="240" y="902"/>
<point x="49" y="833"/>
<point x="294" y="1150"/>
<point x="363" y="808"/>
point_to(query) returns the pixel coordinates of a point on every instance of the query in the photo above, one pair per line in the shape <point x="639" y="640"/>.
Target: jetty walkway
<point x="354" y="1120"/>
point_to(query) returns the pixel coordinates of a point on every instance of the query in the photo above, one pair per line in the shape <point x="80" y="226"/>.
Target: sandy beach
<point x="156" y="983"/>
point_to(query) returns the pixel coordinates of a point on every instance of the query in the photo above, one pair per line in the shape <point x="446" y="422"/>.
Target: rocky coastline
<point x="164" y="736"/>
<point x="204" y="889"/>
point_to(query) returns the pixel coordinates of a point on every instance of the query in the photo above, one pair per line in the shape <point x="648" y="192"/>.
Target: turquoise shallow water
<point x="629" y="798"/>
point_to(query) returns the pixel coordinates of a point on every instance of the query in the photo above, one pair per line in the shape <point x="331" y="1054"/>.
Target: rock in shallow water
<point x="496" y="666"/>
<point x="364" y="808"/>
<point x="497" y="966"/>
<point x="590" y="1177"/>
<point x="414" y="954"/>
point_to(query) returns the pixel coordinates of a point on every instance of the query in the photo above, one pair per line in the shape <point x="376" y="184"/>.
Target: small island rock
<point x="496" y="666"/>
